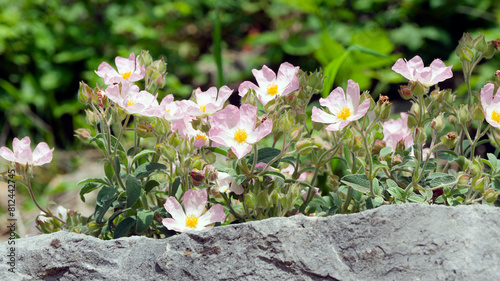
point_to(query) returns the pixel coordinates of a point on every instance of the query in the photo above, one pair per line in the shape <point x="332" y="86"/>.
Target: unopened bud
<point x="490" y="50"/>
<point x="296" y="133"/>
<point x="418" y="88"/>
<point x="477" y="113"/>
<point x="82" y="134"/>
<point x="466" y="54"/>
<point x="366" y="95"/>
<point x="476" y="167"/>
<point x="480" y="43"/>
<point x="420" y="136"/>
<point x="405" y="92"/>
<point x="285" y="122"/>
<point x="144" y="59"/>
<point x="249" y="98"/>
<point x="305" y="146"/>
<point x="91" y="118"/>
<point x="210" y="157"/>
<point x="490" y="195"/>
<point x="463" y="180"/>
<point x="168" y="152"/>
<point x="197" y="177"/>
<point x="449" y="140"/>
<point x="438" y="123"/>
<point x="185" y="147"/>
<point x="161" y="126"/>
<point x="479" y="185"/>
<point x="463" y="114"/>
<point x="377" y="146"/>
<point x="85" y="93"/>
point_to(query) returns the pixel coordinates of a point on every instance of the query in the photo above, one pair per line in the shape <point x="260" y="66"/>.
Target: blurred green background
<point x="47" y="47"/>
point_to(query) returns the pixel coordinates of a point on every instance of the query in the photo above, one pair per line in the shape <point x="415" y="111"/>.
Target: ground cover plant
<point x="178" y="165"/>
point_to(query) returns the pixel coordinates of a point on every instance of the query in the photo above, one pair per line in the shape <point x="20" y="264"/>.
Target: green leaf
<point x="123" y="227"/>
<point x="88" y="187"/>
<point x="105" y="197"/>
<point x="109" y="171"/>
<point x="493" y="161"/>
<point x="384" y="151"/>
<point x="448" y="155"/>
<point x="173" y="190"/>
<point x="133" y="186"/>
<point x="142" y="154"/>
<point x="100" y="142"/>
<point x="416" y="198"/>
<point x="147" y="169"/>
<point x="276" y="174"/>
<point x="95" y="180"/>
<point x="150" y="184"/>
<point x="331" y="72"/>
<point x="220" y="150"/>
<point x="358" y="181"/>
<point x="144" y="220"/>
<point x="441" y="179"/>
<point x="264" y="155"/>
<point x="391" y="183"/>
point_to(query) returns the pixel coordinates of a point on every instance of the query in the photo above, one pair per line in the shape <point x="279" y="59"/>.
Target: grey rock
<point x="398" y="242"/>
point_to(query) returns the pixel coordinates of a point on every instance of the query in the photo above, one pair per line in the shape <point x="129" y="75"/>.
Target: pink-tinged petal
<point x="243" y="88"/>
<point x="353" y="94"/>
<point x="240" y="149"/>
<point x="487" y="95"/>
<point x="7" y="154"/>
<point x="178" y="226"/>
<point x="229" y="117"/>
<point x="440" y="71"/>
<point x="219" y="135"/>
<point x="22" y="150"/>
<point x="175" y="209"/>
<point x="125" y="64"/>
<point x="264" y="76"/>
<point x="248" y="116"/>
<point x="335" y="100"/>
<point x="362" y="110"/>
<point x="401" y="67"/>
<point x="294" y="85"/>
<point x="287" y="78"/>
<point x="415" y="63"/>
<point x="337" y="126"/>
<point x="496" y="99"/>
<point x="42" y="154"/>
<point x="263" y="97"/>
<point x="215" y="214"/>
<point x="224" y="93"/>
<point x="320" y="116"/>
<point x="105" y="70"/>
<point x="195" y="201"/>
<point x="261" y="131"/>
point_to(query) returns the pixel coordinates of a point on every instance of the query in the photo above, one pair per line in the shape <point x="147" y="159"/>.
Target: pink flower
<point x="270" y="85"/>
<point x="491" y="105"/>
<point x="22" y="152"/>
<point x="127" y="96"/>
<point x="209" y="102"/>
<point x="235" y="128"/>
<point x="227" y="184"/>
<point x="344" y="108"/>
<point x="128" y="69"/>
<point x="288" y="172"/>
<point x="396" y="131"/>
<point x="192" y="217"/>
<point x="414" y="70"/>
<point x="186" y="130"/>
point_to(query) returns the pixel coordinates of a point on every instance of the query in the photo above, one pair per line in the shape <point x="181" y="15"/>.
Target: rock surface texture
<point x="398" y="242"/>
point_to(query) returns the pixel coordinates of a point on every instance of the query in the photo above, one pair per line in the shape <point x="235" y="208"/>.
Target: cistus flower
<point x="226" y="183"/>
<point x="133" y="101"/>
<point x="491" y="105"/>
<point x="344" y="108"/>
<point x="235" y="127"/>
<point x="192" y="217"/>
<point x="209" y="102"/>
<point x="397" y="131"/>
<point x="414" y="70"/>
<point x="23" y="155"/>
<point x="271" y="85"/>
<point x="128" y="69"/>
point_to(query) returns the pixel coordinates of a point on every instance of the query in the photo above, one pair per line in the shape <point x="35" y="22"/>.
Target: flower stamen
<point x="201" y="136"/>
<point x="495" y="116"/>
<point x="130" y="102"/>
<point x="203" y="108"/>
<point x="191" y="221"/>
<point x="240" y="135"/>
<point x="272" y="89"/>
<point x="344" y="113"/>
<point x="126" y="75"/>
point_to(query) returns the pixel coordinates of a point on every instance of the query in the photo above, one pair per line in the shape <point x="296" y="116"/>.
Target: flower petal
<point x="215" y="214"/>
<point x="175" y="209"/>
<point x="195" y="201"/>
<point x="42" y="154"/>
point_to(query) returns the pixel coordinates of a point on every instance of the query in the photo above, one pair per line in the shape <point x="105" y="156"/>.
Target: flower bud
<point x="449" y="140"/>
<point x="305" y="146"/>
<point x="469" y="42"/>
<point x="145" y="129"/>
<point x="477" y="113"/>
<point x="82" y="134"/>
<point x="396" y="159"/>
<point x="479" y="185"/>
<point x="168" y="152"/>
<point x="383" y="108"/>
<point x="144" y="58"/>
<point x="210" y="157"/>
<point x="185" y="147"/>
<point x="490" y="50"/>
<point x="438" y="123"/>
<point x="480" y="43"/>
<point x="91" y="117"/>
<point x="296" y="133"/>
<point x="377" y="146"/>
<point x="463" y="180"/>
<point x="420" y="136"/>
<point x="490" y="195"/>
<point x="85" y="93"/>
<point x="412" y="121"/>
<point x="249" y="98"/>
<point x="405" y="92"/>
<point x="161" y="126"/>
<point x="466" y="54"/>
<point x="160" y="66"/>
<point x="366" y="95"/>
<point x="463" y="114"/>
<point x="418" y="88"/>
<point x="476" y="167"/>
<point x="285" y="122"/>
<point x="197" y="177"/>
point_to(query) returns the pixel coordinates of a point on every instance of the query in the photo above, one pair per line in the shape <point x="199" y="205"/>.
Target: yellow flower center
<point x="126" y="75"/>
<point x="167" y="110"/>
<point x="130" y="102"/>
<point x="272" y="89"/>
<point x="203" y="108"/>
<point x="201" y="136"/>
<point x="495" y="116"/>
<point x="240" y="135"/>
<point x="344" y="113"/>
<point x="191" y="221"/>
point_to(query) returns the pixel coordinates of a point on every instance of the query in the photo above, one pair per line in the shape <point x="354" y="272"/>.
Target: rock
<point x="397" y="242"/>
